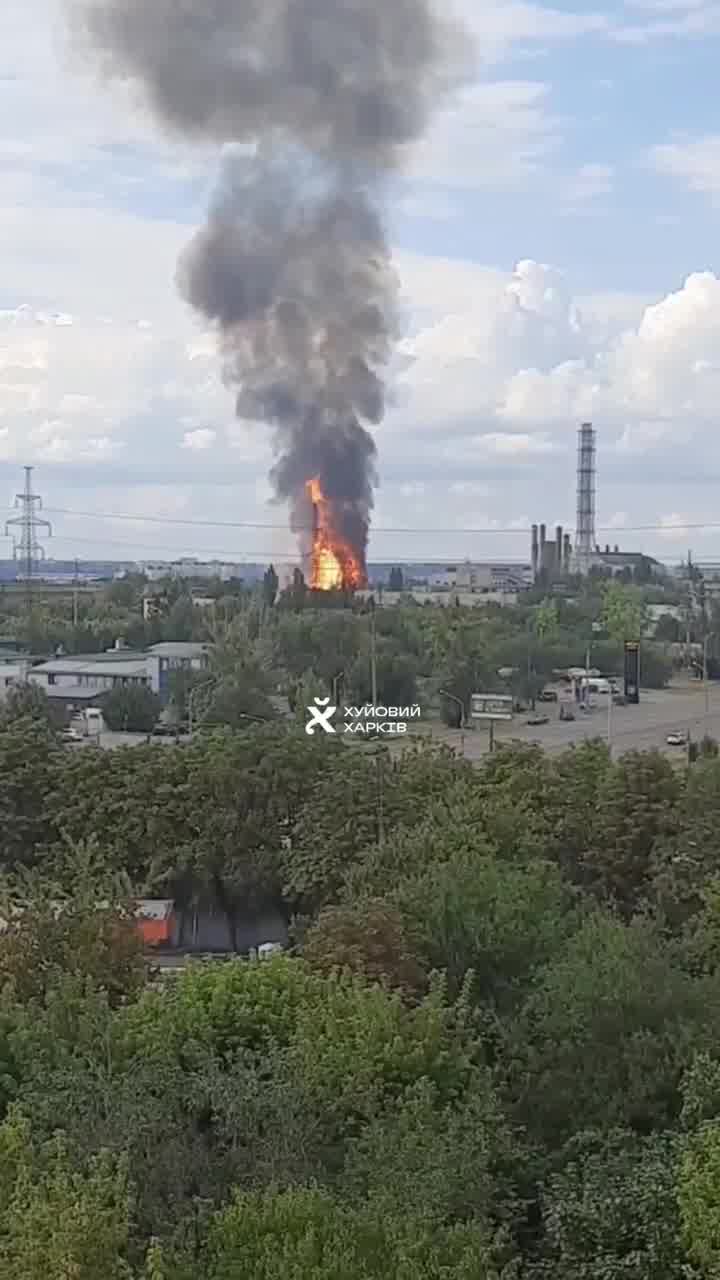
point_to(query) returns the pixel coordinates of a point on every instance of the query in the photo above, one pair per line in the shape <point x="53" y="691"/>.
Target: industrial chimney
<point x="543" y="547"/>
<point x="534" y="549"/>
<point x="558" y="548"/>
<point x="585" y="532"/>
<point x="567" y="553"/>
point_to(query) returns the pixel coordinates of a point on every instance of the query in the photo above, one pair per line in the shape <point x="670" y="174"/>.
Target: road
<point x="633" y="728"/>
<point x="640" y="728"/>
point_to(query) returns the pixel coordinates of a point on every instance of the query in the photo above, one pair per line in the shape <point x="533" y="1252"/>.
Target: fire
<point x="335" y="565"/>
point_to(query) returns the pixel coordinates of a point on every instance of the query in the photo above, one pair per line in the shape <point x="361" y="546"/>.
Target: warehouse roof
<point x="94" y="666"/>
<point x="179" y="649"/>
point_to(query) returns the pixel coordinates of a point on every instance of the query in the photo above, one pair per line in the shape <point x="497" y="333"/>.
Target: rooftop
<point x="93" y="667"/>
<point x="77" y="692"/>
<point x="179" y="649"/>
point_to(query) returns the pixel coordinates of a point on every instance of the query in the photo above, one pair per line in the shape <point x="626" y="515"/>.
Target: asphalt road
<point x="634" y="728"/>
<point x="640" y="728"/>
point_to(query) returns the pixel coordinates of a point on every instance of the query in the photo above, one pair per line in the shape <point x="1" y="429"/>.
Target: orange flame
<point x="335" y="565"/>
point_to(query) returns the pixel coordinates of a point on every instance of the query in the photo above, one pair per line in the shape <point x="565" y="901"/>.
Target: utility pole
<point x="26" y="547"/>
<point x="380" y="799"/>
<point x="690" y="609"/>
<point x="708" y="637"/>
<point x="75" y="596"/>
<point x="373" y="654"/>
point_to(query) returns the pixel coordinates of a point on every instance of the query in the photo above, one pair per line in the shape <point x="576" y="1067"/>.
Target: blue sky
<point x="556" y="236"/>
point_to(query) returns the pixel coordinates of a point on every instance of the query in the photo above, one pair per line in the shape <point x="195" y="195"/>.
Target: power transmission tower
<point x="27" y="548"/>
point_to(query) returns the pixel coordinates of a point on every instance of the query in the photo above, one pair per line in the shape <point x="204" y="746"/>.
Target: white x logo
<point x="321" y="718"/>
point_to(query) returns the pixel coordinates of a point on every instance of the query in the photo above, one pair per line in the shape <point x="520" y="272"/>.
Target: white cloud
<point x="494" y="135"/>
<point x="695" y="163"/>
<point x="675" y="528"/>
<point x="667" y="19"/>
<point x="583" y="188"/>
<point x="198" y="440"/>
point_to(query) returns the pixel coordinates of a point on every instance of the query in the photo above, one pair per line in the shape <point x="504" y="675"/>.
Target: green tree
<point x="699" y="1197"/>
<point x="667" y="629"/>
<point x="309" y="1234"/>
<point x="612" y="1210"/>
<point x="546" y="620"/>
<point x="635" y="811"/>
<point x="602" y="1039"/>
<point x="468" y="911"/>
<point x="90" y="933"/>
<point x="26" y="702"/>
<point x="270" y="586"/>
<point x="623" y="612"/>
<point x="29" y="763"/>
<point x="56" y="1221"/>
<point x="368" y="938"/>
<point x="131" y="708"/>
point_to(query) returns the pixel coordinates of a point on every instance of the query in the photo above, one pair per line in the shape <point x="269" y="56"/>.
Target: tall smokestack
<point x="585" y="532"/>
<point x="567" y="553"/>
<point x="292" y="269"/>
<point x="543" y="547"/>
<point x="558" y="547"/>
<point x="534" y="550"/>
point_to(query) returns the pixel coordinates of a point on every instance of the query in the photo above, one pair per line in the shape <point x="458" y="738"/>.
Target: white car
<point x="677" y="740"/>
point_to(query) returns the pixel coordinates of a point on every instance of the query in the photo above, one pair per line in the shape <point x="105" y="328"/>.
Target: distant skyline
<point x="556" y="239"/>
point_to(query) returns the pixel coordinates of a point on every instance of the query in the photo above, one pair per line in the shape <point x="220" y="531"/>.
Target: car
<point x="164" y="730"/>
<point x="677" y="739"/>
<point x="535" y="720"/>
<point x="566" y="713"/>
<point x="71" y="735"/>
<point x="548" y="695"/>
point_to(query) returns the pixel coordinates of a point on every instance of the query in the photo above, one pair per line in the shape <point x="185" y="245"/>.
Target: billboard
<point x="491" y="706"/>
<point x="632" y="671"/>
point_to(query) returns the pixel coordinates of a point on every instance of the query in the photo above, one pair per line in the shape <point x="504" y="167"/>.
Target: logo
<point x="366" y="720"/>
<point x="319" y="718"/>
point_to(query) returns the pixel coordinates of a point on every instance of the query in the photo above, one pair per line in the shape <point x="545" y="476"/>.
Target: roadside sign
<point x="491" y="706"/>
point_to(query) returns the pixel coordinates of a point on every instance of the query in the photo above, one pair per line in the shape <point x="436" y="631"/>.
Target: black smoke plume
<point x="293" y="266"/>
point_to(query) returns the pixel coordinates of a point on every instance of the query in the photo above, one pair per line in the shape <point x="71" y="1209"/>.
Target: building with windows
<point x="482" y="578"/>
<point x="79" y="677"/>
<point x="189" y="568"/>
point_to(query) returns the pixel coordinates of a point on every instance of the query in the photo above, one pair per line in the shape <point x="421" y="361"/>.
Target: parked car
<point x="71" y="735"/>
<point x="677" y="739"/>
<point x="164" y="730"/>
<point x="548" y="695"/>
<point x="535" y="720"/>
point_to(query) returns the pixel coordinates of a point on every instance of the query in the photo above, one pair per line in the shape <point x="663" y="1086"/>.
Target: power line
<point x="247" y="524"/>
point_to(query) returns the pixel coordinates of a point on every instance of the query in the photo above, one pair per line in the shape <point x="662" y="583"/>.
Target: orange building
<point x="156" y="921"/>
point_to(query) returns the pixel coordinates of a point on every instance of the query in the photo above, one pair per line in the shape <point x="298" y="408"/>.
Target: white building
<point x="484" y="577"/>
<point x="155" y="570"/>
<point x="98" y="673"/>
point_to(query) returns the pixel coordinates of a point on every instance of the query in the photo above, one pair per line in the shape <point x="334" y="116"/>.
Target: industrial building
<point x="556" y="557"/>
<point x="189" y="568"/>
<point x="73" y="682"/>
<point x="550" y="556"/>
<point x="483" y="577"/>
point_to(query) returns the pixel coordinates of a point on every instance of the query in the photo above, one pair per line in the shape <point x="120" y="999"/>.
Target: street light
<point x="708" y="637"/>
<point x="199" y="688"/>
<point x="444" y="694"/>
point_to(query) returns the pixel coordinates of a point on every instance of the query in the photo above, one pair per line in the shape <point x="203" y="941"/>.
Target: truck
<point x="92" y="722"/>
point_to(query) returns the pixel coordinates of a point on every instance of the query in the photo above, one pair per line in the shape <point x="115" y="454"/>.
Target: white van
<point x="93" y="723"/>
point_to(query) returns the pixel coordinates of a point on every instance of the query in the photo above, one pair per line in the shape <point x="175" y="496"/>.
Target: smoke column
<point x="292" y="267"/>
